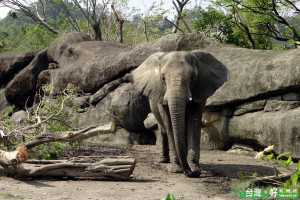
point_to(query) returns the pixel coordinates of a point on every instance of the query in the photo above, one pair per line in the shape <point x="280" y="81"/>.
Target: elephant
<point x="177" y="85"/>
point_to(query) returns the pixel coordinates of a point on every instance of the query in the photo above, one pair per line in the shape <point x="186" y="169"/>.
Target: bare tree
<point x="30" y="9"/>
<point x="91" y="10"/>
<point x="179" y="8"/>
<point x="120" y="23"/>
<point x="274" y="10"/>
<point x="93" y="13"/>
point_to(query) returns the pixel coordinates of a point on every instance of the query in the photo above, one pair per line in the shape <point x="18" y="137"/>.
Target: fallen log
<point x="90" y="167"/>
<point x="72" y="135"/>
<point x="15" y="164"/>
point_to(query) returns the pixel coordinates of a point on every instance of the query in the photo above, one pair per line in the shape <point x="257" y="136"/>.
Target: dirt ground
<point x="150" y="180"/>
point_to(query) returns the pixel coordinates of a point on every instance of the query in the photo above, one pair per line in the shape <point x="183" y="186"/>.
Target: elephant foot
<point x="164" y="160"/>
<point x="195" y="167"/>
<point x="175" y="168"/>
<point x="191" y="174"/>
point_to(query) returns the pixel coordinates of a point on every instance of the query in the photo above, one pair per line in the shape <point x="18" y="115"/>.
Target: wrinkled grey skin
<point x="177" y="85"/>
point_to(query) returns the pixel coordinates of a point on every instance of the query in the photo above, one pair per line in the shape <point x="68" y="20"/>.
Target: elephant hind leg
<point x="194" y="117"/>
<point x="164" y="158"/>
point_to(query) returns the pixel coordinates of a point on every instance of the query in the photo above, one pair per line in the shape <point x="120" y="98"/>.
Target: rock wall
<point x="259" y="104"/>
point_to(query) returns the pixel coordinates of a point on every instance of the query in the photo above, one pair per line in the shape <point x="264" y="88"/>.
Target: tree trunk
<point x="97" y="31"/>
<point x="120" y="22"/>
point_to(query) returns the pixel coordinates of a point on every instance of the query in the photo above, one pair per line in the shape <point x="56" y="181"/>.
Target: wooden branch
<point x="72" y="135"/>
<point x="81" y="167"/>
<point x="270" y="179"/>
<point x="186" y="25"/>
<point x="174" y="25"/>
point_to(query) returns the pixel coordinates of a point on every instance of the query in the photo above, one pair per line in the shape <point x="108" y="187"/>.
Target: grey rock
<point x="275" y="105"/>
<point x="105" y="90"/>
<point x="291" y="96"/>
<point x="150" y="122"/>
<point x="101" y="113"/>
<point x="19" y="117"/>
<point x="3" y="101"/>
<point x="91" y="64"/>
<point x="241" y="149"/>
<point x="278" y="98"/>
<point x="254" y="73"/>
<point x="121" y="136"/>
<point x="83" y="101"/>
<point x="281" y="129"/>
<point x="214" y="135"/>
<point x="129" y="107"/>
<point x="242" y="146"/>
<point x="23" y="86"/>
<point x="228" y="111"/>
<point x="250" y="107"/>
<point x="12" y="62"/>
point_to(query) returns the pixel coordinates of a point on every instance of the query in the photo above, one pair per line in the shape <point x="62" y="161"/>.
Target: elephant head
<point x="176" y="79"/>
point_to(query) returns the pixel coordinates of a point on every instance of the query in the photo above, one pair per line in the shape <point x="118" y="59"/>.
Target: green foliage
<point x="52" y="150"/>
<point x="55" y="112"/>
<point x="240" y="184"/>
<point x="52" y="107"/>
<point x="252" y="20"/>
<point x="293" y="182"/>
<point x="5" y="121"/>
<point x="5" y="194"/>
<point x="20" y="32"/>
<point x="214" y="22"/>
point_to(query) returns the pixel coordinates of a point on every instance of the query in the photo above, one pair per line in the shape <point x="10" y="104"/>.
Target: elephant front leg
<point x="175" y="166"/>
<point x="193" y="128"/>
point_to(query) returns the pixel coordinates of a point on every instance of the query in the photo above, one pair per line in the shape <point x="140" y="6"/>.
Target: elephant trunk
<point x="177" y="104"/>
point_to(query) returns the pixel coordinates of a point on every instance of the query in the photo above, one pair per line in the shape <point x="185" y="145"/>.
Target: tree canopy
<point x="257" y="24"/>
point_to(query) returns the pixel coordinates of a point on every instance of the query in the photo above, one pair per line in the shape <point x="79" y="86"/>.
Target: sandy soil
<point x="150" y="180"/>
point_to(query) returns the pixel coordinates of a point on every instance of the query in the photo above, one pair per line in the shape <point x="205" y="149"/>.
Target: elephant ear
<point x="146" y="78"/>
<point x="212" y="74"/>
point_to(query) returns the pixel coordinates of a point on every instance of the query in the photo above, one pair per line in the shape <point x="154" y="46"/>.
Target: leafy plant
<point x="52" y="150"/>
<point x="55" y="112"/>
<point x="293" y="182"/>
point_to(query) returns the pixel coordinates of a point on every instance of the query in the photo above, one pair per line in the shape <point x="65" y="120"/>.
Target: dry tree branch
<point x="174" y="24"/>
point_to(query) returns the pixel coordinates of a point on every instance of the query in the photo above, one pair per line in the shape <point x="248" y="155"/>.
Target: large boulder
<point x="255" y="74"/>
<point x="130" y="107"/>
<point x="278" y="128"/>
<point x="12" y="62"/>
<point x="23" y="85"/>
<point x="91" y="64"/>
<point x="263" y="93"/>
